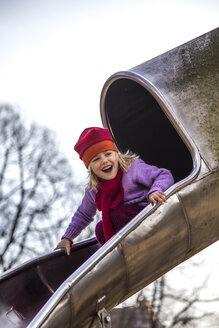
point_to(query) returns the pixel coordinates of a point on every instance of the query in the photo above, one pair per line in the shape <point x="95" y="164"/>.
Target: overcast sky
<point x="57" y="54"/>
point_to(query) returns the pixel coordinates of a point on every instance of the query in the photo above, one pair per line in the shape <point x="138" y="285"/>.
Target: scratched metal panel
<point x="108" y="277"/>
<point x="188" y="76"/>
<point x="159" y="243"/>
<point x="186" y="80"/>
<point x="200" y="202"/>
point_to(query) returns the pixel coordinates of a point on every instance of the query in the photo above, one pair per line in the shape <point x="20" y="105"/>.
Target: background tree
<point x="185" y="305"/>
<point x="37" y="189"/>
<point x="38" y="195"/>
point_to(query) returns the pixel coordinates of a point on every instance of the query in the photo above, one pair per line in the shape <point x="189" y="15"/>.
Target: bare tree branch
<point x="36" y="184"/>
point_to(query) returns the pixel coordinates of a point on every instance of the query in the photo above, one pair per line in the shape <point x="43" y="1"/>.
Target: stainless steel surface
<point x="103" y="315"/>
<point x="185" y="82"/>
<point x="25" y="289"/>
<point x="174" y="100"/>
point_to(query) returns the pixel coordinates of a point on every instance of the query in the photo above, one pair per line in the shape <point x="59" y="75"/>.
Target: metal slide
<point x="166" y="110"/>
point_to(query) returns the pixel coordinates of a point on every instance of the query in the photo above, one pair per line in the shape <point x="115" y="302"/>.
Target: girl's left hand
<point x="157" y="196"/>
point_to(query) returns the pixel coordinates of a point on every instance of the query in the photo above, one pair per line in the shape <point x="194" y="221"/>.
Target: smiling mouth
<point x="108" y="169"/>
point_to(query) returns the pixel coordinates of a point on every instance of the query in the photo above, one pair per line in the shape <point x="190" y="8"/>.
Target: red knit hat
<point x="93" y="141"/>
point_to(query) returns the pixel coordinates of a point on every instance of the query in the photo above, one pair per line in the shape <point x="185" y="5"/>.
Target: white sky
<point x="56" y="55"/>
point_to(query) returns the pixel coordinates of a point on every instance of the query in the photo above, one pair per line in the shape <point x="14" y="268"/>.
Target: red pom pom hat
<point x="93" y="141"/>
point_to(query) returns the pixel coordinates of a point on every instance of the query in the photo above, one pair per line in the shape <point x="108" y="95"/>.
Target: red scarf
<point x="109" y="195"/>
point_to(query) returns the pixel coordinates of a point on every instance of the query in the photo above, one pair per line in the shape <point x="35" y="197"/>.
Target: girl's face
<point x="105" y="165"/>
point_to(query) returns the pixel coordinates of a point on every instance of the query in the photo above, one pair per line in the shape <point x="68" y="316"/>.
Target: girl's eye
<point x="95" y="159"/>
<point x="108" y="153"/>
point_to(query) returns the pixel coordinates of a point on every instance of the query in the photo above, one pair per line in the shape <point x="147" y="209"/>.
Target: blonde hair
<point x="124" y="161"/>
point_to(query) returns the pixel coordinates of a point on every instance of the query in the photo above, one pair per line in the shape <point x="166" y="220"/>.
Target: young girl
<point x="120" y="186"/>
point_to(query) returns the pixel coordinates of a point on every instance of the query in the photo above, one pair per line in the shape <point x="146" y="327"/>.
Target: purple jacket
<point x="140" y="180"/>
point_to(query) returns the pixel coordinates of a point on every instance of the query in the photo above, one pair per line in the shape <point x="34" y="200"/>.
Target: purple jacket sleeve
<point x="82" y="217"/>
<point x="154" y="178"/>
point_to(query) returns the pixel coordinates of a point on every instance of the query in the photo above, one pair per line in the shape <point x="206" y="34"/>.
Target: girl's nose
<point x="104" y="159"/>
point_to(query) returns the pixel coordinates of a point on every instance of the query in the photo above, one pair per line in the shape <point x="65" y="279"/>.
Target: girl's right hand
<point x="64" y="243"/>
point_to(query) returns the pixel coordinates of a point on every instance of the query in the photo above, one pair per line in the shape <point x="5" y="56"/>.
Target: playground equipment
<point x="166" y="110"/>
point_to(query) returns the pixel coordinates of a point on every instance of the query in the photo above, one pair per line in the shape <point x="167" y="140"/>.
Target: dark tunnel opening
<point x="138" y="123"/>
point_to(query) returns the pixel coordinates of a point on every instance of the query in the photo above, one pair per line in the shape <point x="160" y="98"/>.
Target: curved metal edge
<point x="115" y="240"/>
<point x="168" y="111"/>
<point x="34" y="262"/>
<point x="88" y="266"/>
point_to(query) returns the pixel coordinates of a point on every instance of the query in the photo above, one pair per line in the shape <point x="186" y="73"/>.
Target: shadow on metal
<point x="166" y="110"/>
<point x="25" y="289"/>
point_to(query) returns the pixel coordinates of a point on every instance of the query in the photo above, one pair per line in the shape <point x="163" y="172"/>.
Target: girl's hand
<point x="157" y="196"/>
<point x="65" y="243"/>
